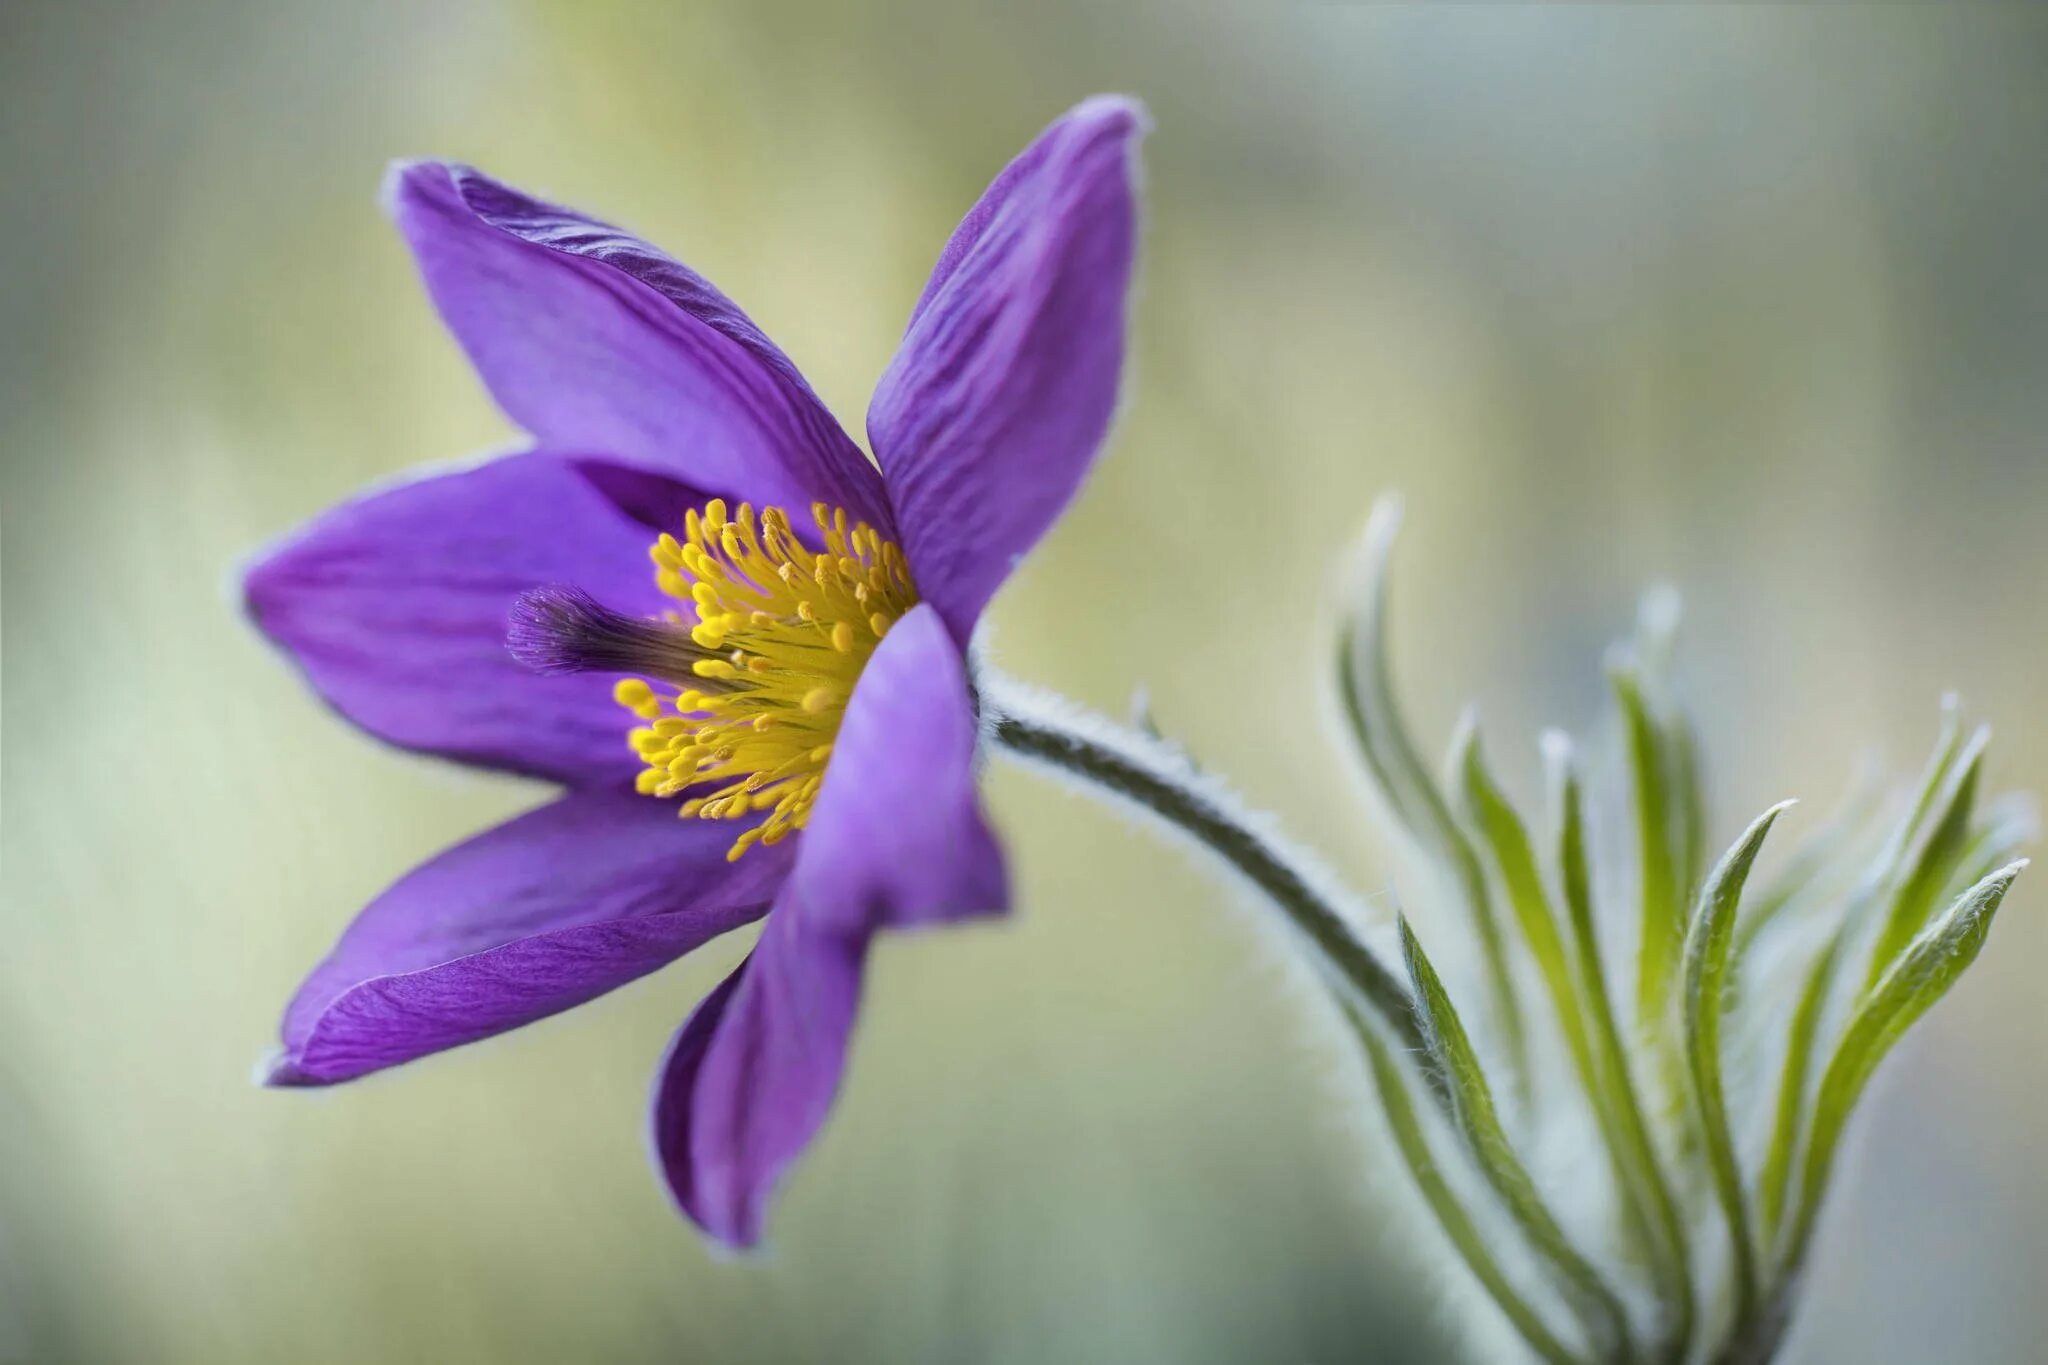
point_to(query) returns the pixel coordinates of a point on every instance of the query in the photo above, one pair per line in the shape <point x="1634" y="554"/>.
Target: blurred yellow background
<point x="1748" y="300"/>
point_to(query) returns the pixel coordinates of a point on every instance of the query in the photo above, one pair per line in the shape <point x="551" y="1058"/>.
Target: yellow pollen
<point x="795" y="630"/>
<point x="637" y="697"/>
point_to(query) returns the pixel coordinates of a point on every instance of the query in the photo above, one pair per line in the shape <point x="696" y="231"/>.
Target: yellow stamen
<point x="795" y="627"/>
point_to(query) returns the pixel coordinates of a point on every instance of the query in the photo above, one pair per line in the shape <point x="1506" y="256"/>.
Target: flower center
<point x="781" y="636"/>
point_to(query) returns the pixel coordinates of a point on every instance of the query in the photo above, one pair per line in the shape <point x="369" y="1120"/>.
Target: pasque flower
<point x="774" y="718"/>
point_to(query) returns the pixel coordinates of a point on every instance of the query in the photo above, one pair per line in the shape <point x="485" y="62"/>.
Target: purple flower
<point x="793" y="671"/>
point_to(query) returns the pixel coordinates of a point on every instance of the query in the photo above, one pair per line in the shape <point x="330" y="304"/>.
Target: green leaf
<point x="1451" y="1050"/>
<point x="1646" y="1193"/>
<point x="1792" y="1076"/>
<point x="1688" y="787"/>
<point x="1933" y="857"/>
<point x="1465" y="1236"/>
<point x="1816" y="864"/>
<point x="1931" y="964"/>
<point x="2008" y="825"/>
<point x="1707" y="953"/>
<point x="1395" y="766"/>
<point x="1650" y="788"/>
<point x="1506" y="840"/>
<point x="1791" y="1115"/>
<point x="1656" y="643"/>
<point x="1909" y="829"/>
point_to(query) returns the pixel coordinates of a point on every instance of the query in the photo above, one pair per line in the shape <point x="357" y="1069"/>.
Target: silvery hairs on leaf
<point x="1719" y="1065"/>
<point x="1709" y="1027"/>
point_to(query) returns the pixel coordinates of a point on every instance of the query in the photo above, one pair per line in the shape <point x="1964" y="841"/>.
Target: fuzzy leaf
<point x="1792" y="1077"/>
<point x="1934" y="857"/>
<point x="1816" y="863"/>
<point x="1646" y="1194"/>
<point x="1791" y="1116"/>
<point x="1465" y="1237"/>
<point x="1911" y="827"/>
<point x="2009" y="823"/>
<point x="1452" y="1052"/>
<point x="1650" y="788"/>
<point x="1707" y="954"/>
<point x="1688" y="787"/>
<point x="1506" y="840"/>
<point x="1931" y="964"/>
<point x="1394" y="763"/>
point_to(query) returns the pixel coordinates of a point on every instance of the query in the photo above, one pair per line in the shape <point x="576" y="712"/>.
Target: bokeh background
<point x="1748" y="300"/>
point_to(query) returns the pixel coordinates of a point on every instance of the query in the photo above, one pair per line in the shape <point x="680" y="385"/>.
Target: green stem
<point x="1149" y="775"/>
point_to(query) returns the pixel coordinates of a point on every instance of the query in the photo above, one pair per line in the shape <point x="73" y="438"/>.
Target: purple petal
<point x="544" y="912"/>
<point x="1004" y="385"/>
<point x="751" y="1076"/>
<point x="589" y="337"/>
<point x="395" y="606"/>
<point x="897" y="838"/>
<point x="897" y="835"/>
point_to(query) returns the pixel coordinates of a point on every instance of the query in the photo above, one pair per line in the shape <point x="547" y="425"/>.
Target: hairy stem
<point x="1147" y="772"/>
<point x="1152" y="775"/>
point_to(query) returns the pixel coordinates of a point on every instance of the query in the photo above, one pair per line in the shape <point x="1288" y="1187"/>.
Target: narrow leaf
<point x="1911" y="827"/>
<point x="1707" y="952"/>
<point x="1923" y="974"/>
<point x="1451" y="1050"/>
<point x="1934" y="856"/>
<point x="1792" y="1117"/>
<point x="2009" y="824"/>
<point x="1657" y="617"/>
<point x="1395" y="766"/>
<point x="1506" y="840"/>
<point x="1792" y="1077"/>
<point x="1465" y="1236"/>
<point x="1649" y="782"/>
<point x="1645" y="1191"/>
<point x="1688" y="785"/>
<point x="1814" y="864"/>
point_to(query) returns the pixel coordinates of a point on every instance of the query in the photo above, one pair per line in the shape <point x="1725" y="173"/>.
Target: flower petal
<point x="544" y="912"/>
<point x="589" y="337"/>
<point x="897" y="835"/>
<point x="395" y="605"/>
<point x="896" y="838"/>
<point x="1004" y="385"/>
<point x="751" y="1076"/>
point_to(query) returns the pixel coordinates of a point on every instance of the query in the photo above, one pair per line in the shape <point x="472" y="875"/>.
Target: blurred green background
<point x="1749" y="300"/>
